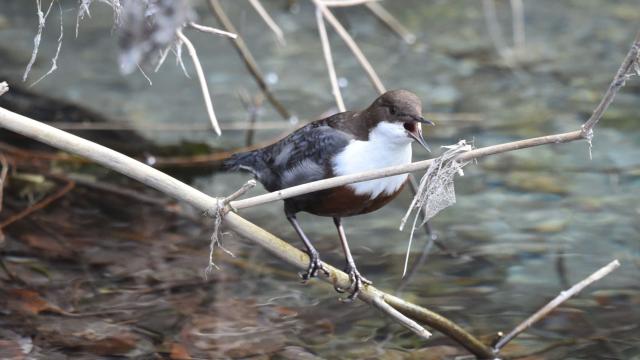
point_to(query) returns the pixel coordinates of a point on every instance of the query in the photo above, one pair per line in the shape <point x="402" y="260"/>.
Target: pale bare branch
<point x="355" y="49"/>
<point x="562" y="297"/>
<point x="618" y="82"/>
<point x="517" y="20"/>
<point x="54" y="60"/>
<point x="328" y="58"/>
<point x="401" y="169"/>
<point x="380" y="304"/>
<point x="212" y="30"/>
<point x="345" y="3"/>
<point x="42" y="19"/>
<point x="145" y="75"/>
<point x="257" y="5"/>
<point x="203" y="81"/>
<point x="495" y="32"/>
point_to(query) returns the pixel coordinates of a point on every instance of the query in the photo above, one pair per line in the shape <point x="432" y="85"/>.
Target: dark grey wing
<point x="303" y="156"/>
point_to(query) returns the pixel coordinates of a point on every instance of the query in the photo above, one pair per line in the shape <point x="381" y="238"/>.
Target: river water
<point x="526" y="224"/>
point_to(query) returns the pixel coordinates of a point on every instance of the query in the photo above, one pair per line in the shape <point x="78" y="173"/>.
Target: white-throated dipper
<point x="342" y="144"/>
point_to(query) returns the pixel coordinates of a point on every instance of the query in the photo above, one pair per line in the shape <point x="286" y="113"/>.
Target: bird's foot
<point x="315" y="265"/>
<point x="356" y="284"/>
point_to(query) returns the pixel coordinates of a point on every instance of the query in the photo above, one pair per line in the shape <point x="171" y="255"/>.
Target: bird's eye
<point x="393" y="110"/>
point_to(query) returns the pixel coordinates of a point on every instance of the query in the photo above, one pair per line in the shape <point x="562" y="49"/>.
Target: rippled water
<point x="526" y="223"/>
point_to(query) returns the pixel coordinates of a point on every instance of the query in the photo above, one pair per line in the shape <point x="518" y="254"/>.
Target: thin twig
<point x="212" y="30"/>
<point x="328" y="58"/>
<point x="247" y="57"/>
<point x="42" y="19"/>
<point x="618" y="82"/>
<point x="345" y="3"/>
<point x="401" y="169"/>
<point x="253" y="107"/>
<point x="355" y="49"/>
<point x="203" y="81"/>
<point x="517" y="19"/>
<point x="54" y="60"/>
<point x="391" y="22"/>
<point x="562" y="297"/>
<point x="495" y="31"/>
<point x="380" y="304"/>
<point x="39" y="205"/>
<point x="243" y="190"/>
<point x="179" y="190"/>
<point x="257" y="5"/>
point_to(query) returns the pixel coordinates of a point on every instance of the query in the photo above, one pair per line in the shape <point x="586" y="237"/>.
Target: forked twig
<point x="562" y="297"/>
<point x="42" y="19"/>
<point x="380" y="304"/>
<point x="218" y="212"/>
<point x="202" y="79"/>
<point x="618" y="81"/>
<point x="328" y="58"/>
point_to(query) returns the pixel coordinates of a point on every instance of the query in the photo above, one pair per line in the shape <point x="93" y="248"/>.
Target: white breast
<point x="388" y="145"/>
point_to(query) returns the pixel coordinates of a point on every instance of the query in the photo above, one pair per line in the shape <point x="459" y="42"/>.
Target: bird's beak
<point x="422" y="120"/>
<point x="417" y="133"/>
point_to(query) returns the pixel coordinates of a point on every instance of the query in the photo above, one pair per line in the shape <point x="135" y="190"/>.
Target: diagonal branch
<point x="618" y="82"/>
<point x="202" y="79"/>
<point x="328" y="58"/>
<point x="562" y="297"/>
<point x="355" y="49"/>
<point x="247" y="57"/>
<point x="257" y="5"/>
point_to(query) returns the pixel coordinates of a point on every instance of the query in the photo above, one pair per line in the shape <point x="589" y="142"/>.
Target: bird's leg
<point x="356" y="279"/>
<point x="314" y="257"/>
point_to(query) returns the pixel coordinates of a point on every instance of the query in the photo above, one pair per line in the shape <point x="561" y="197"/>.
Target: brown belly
<point x="342" y="201"/>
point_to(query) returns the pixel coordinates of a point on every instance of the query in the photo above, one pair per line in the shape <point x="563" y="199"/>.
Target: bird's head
<point x="398" y="114"/>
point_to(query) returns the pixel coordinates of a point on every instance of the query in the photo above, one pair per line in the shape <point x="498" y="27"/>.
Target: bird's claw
<point x="315" y="265"/>
<point x="356" y="283"/>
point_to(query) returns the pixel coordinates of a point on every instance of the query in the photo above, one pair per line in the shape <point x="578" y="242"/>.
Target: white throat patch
<point x="388" y="145"/>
